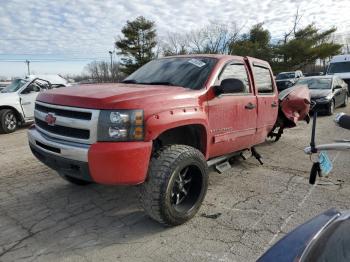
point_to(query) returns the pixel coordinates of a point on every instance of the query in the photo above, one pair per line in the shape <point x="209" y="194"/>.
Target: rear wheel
<point x="176" y="185"/>
<point x="331" y="108"/>
<point x="8" y="121"/>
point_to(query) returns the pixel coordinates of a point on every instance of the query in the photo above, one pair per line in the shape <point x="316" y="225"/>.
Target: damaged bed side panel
<point x="294" y="106"/>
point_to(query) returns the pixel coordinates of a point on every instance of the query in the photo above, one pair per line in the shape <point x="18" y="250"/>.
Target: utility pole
<point x="28" y="62"/>
<point x="111" y="54"/>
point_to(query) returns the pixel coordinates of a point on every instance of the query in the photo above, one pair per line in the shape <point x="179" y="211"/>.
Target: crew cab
<point x="159" y="129"/>
<point x="17" y="99"/>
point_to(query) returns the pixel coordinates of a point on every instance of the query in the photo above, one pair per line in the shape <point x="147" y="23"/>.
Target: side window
<point x="263" y="80"/>
<point x="31" y="88"/>
<point x="236" y="71"/>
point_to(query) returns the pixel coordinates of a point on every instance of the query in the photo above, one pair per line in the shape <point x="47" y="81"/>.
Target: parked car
<point x="160" y="128"/>
<point x="285" y="80"/>
<point x="324" y="238"/>
<point x="328" y="92"/>
<point x="17" y="99"/>
<point x="340" y="66"/>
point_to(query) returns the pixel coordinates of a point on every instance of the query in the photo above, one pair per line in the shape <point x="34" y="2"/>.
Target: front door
<point x="232" y="116"/>
<point x="29" y="94"/>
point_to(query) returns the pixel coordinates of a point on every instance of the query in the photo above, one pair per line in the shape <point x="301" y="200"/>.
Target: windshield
<point x="316" y="83"/>
<point x="179" y="71"/>
<point x="341" y="67"/>
<point x="14" y="86"/>
<point x="285" y="76"/>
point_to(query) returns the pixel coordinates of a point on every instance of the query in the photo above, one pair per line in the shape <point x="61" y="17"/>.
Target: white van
<point x="340" y="66"/>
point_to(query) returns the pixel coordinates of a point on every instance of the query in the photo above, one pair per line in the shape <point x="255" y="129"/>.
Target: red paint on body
<point x="226" y="122"/>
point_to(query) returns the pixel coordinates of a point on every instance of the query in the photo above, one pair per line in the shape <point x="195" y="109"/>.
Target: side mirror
<point x="230" y="85"/>
<point x="337" y="87"/>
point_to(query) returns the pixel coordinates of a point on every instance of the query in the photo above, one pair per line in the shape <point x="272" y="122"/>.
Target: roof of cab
<point x="220" y="57"/>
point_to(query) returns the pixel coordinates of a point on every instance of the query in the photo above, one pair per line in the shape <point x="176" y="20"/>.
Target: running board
<point x="222" y="167"/>
<point x="221" y="163"/>
<point x="219" y="159"/>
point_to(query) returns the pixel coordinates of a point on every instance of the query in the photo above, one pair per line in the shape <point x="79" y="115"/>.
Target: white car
<point x="17" y="100"/>
<point x="285" y="80"/>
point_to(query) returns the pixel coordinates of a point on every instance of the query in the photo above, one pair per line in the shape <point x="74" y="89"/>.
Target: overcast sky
<point x="83" y="30"/>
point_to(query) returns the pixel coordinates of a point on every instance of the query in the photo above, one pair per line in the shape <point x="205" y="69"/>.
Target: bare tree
<point x="175" y="44"/>
<point x="214" y="38"/>
<point x="100" y="71"/>
<point x="219" y="36"/>
<point x="296" y="21"/>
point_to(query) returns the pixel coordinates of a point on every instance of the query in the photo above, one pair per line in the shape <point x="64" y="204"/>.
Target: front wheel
<point x="8" y="121"/>
<point x="346" y="98"/>
<point x="176" y="186"/>
<point x="331" y="108"/>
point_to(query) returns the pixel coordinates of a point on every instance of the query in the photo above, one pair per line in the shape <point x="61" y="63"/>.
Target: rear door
<point x="267" y="99"/>
<point x="232" y="117"/>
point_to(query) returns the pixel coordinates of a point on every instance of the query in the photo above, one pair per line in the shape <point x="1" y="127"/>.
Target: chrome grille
<point x="71" y="123"/>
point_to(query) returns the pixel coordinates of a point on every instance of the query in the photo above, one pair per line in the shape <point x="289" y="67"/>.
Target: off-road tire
<point x="157" y="192"/>
<point x="75" y="181"/>
<point x="4" y="126"/>
<point x="345" y="101"/>
<point x="331" y="108"/>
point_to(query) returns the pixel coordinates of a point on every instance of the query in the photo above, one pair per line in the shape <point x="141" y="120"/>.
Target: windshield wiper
<point x="158" y="83"/>
<point x="130" y="81"/>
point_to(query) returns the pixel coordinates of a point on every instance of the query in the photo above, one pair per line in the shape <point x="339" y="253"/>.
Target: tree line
<point x="139" y="43"/>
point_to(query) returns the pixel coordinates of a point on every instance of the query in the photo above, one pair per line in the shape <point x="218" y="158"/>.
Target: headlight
<point x="120" y="125"/>
<point x="324" y="99"/>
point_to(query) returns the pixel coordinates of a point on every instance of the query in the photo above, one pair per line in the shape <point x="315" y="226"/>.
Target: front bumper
<point x="321" y="106"/>
<point x="112" y="163"/>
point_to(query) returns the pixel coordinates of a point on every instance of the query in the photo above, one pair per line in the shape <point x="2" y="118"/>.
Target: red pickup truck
<point x="160" y="128"/>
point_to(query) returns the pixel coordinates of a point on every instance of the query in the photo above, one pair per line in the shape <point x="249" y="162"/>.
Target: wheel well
<point x="191" y="135"/>
<point x="18" y="115"/>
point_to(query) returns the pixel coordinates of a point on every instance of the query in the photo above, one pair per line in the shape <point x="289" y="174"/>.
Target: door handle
<point x="26" y="103"/>
<point x="249" y="106"/>
<point x="274" y="104"/>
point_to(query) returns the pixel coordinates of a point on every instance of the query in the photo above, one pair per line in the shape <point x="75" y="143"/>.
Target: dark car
<point x="328" y="92"/>
<point x="325" y="238"/>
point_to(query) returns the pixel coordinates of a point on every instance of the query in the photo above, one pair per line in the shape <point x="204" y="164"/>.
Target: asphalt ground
<point x="246" y="210"/>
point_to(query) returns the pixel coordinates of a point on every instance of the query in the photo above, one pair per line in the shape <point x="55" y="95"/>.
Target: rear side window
<point x="236" y="71"/>
<point x="263" y="80"/>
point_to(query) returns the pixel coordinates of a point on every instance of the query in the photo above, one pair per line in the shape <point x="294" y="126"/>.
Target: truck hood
<point x="317" y="93"/>
<point x="8" y="98"/>
<point x="119" y="96"/>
